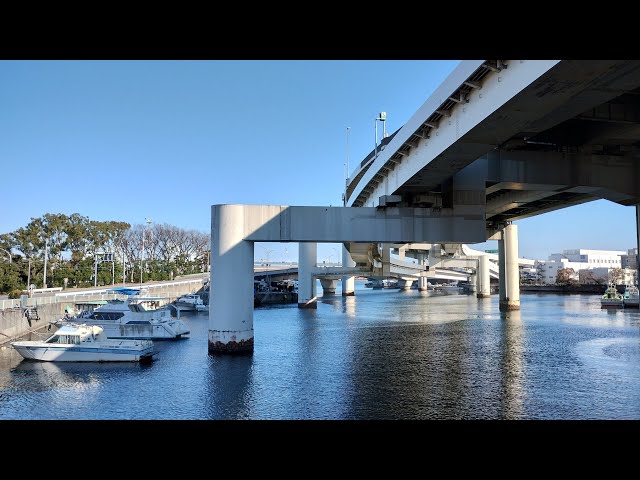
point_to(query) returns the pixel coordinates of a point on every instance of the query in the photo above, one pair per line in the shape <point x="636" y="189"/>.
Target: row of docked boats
<point x="111" y="331"/>
<point x="614" y="299"/>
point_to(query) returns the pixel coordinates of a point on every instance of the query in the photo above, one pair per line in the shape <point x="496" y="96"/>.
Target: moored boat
<point x="84" y="343"/>
<point x="611" y="297"/>
<point x="142" y="318"/>
<point x="631" y="296"/>
<point x="191" y="301"/>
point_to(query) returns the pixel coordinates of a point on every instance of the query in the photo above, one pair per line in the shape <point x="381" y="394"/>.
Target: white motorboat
<point x="611" y="297"/>
<point x="631" y="296"/>
<point x="191" y="301"/>
<point x="146" y="318"/>
<point x="84" y="343"/>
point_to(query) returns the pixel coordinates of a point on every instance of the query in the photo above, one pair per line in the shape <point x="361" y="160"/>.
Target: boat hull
<point x="48" y="353"/>
<point x="611" y="303"/>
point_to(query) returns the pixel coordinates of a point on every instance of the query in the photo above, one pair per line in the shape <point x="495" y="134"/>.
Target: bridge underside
<point x="570" y="136"/>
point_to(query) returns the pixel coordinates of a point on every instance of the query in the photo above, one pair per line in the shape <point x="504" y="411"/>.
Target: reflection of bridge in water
<point x="498" y="141"/>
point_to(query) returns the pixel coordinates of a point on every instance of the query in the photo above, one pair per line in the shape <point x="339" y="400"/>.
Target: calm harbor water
<point x="384" y="354"/>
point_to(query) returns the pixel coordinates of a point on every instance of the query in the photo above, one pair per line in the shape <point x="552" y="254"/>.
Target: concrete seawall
<point x="14" y="323"/>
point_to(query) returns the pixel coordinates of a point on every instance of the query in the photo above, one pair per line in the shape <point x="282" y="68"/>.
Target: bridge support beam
<point x="348" y="282"/>
<point x="231" y="295"/>
<point x="405" y="284"/>
<point x="307" y="259"/>
<point x="510" y="299"/>
<point x="328" y="286"/>
<point x="484" y="285"/>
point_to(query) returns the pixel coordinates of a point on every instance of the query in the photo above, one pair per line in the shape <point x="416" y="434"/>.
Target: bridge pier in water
<point x="483" y="278"/>
<point x="422" y="281"/>
<point x="508" y="266"/>
<point x="404" y="284"/>
<point x="328" y="286"/>
<point x="235" y="228"/>
<point x="307" y="259"/>
<point x="231" y="298"/>
<point x="348" y="282"/>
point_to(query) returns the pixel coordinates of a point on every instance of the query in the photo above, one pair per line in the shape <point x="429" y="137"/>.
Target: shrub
<point x="15" y="293"/>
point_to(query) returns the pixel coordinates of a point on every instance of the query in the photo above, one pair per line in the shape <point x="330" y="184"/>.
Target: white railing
<point x="4" y="304"/>
<point x="98" y="294"/>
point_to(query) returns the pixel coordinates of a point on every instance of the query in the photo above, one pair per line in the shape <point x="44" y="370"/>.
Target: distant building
<point x="630" y="260"/>
<point x="600" y="261"/>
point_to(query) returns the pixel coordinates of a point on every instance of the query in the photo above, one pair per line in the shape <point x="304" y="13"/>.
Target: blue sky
<point x="129" y="140"/>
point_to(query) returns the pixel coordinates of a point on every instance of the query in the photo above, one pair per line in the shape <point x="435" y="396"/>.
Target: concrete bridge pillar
<point x="231" y="301"/>
<point x="511" y="298"/>
<point x="405" y="284"/>
<point x="348" y="282"/>
<point x="307" y="259"/>
<point x="473" y="283"/>
<point x="484" y="280"/>
<point x="422" y="281"/>
<point x="328" y="286"/>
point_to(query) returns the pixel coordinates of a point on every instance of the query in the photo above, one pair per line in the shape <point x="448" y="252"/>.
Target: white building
<point x="601" y="261"/>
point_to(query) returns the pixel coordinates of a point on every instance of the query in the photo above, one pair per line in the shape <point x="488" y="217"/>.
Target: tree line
<point x="75" y="245"/>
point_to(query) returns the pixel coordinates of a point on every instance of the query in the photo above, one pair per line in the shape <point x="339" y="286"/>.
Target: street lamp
<point x="382" y="117"/>
<point x="268" y="252"/>
<point x="148" y="221"/>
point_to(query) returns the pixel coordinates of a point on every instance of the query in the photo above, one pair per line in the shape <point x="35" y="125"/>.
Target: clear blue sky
<point x="129" y="140"/>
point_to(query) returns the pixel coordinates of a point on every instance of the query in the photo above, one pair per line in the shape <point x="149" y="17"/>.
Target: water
<point x="383" y="354"/>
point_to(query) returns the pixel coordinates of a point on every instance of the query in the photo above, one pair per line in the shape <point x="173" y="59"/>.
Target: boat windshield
<point x="65" y="339"/>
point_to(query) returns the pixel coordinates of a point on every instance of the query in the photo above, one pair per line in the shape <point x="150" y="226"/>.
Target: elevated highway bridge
<point x="498" y="141"/>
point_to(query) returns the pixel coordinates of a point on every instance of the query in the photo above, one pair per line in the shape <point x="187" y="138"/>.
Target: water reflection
<point x="379" y="355"/>
<point x="228" y="384"/>
<point x="513" y="371"/>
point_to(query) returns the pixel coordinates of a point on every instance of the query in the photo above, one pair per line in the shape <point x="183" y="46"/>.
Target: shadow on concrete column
<point x="348" y="282"/>
<point x="307" y="259"/>
<point x="231" y="301"/>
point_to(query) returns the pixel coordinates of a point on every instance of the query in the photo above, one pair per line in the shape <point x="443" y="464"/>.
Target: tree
<point x="565" y="276"/>
<point x="586" y="277"/>
<point x="616" y="275"/>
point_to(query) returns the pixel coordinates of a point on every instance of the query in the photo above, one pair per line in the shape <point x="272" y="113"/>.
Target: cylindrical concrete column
<point x="502" y="280"/>
<point x="405" y="284"/>
<point x="510" y="236"/>
<point x="348" y="282"/>
<point x="231" y="285"/>
<point x="473" y="283"/>
<point x="422" y="281"/>
<point x="307" y="259"/>
<point x="484" y="280"/>
<point x="328" y="286"/>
